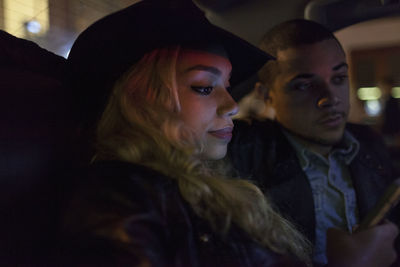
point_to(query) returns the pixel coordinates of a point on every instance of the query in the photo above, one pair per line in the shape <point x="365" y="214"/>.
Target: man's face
<point x="311" y="91"/>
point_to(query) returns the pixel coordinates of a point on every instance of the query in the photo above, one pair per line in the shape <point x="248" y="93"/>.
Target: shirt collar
<point x="346" y="150"/>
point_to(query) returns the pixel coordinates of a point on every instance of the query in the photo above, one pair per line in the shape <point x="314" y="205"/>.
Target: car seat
<point x="36" y="148"/>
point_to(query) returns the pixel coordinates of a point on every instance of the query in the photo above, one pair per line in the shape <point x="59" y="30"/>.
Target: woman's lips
<point x="224" y="134"/>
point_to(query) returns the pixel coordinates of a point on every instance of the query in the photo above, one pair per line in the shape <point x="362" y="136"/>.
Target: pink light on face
<point x="206" y="105"/>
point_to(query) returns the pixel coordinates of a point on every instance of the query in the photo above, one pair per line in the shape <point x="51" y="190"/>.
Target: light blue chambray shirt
<point x="333" y="192"/>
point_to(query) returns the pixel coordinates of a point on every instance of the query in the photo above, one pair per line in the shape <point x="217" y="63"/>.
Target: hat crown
<point x="107" y="48"/>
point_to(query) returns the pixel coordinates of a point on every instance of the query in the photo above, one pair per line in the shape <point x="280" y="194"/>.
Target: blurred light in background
<point x="33" y="26"/>
<point x="373" y="101"/>
<point x="396" y="92"/>
<point x="369" y="93"/>
<point x="373" y="107"/>
<point x="22" y="17"/>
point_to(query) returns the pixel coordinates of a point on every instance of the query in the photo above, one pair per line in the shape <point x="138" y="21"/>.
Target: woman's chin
<point x="214" y="153"/>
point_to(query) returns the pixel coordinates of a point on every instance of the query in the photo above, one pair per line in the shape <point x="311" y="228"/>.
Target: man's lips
<point x="225" y="133"/>
<point x="333" y="119"/>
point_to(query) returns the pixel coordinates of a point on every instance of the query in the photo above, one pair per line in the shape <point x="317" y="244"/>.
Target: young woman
<point x="154" y="195"/>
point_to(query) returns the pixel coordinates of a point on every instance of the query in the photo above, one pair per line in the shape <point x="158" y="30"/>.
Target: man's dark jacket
<point x="262" y="153"/>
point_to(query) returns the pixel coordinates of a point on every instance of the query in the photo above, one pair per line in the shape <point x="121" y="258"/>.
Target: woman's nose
<point x="228" y="106"/>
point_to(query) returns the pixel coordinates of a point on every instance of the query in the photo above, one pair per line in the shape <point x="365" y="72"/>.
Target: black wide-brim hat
<point x="107" y="48"/>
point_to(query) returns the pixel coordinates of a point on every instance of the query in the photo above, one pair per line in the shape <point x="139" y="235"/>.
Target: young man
<point x="319" y="171"/>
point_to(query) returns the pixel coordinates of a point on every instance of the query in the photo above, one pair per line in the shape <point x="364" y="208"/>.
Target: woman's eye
<point x="203" y="90"/>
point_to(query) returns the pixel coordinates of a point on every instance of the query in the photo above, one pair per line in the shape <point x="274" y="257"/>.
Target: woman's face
<point x="206" y="105"/>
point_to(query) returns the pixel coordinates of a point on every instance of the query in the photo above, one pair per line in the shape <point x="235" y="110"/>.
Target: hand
<point x="371" y="247"/>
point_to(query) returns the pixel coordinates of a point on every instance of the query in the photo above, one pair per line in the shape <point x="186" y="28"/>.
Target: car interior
<point x="40" y="142"/>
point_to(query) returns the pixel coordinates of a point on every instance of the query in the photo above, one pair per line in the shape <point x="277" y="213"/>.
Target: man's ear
<point x="261" y="90"/>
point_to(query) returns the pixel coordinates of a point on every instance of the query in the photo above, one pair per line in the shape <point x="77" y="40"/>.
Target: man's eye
<point x="303" y="86"/>
<point x="339" y="80"/>
<point x="203" y="90"/>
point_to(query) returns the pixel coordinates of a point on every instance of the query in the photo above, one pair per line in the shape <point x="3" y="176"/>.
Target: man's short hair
<point x="289" y="34"/>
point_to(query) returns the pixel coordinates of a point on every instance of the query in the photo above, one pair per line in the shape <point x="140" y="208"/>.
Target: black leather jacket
<point x="129" y="215"/>
<point x="261" y="152"/>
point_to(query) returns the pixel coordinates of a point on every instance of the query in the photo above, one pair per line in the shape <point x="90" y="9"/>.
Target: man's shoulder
<point x="373" y="151"/>
<point x="364" y="133"/>
<point x="254" y="123"/>
<point x="258" y="146"/>
<point x="250" y="129"/>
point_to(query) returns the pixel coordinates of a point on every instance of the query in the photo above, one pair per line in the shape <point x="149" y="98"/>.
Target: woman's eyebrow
<point x="213" y="70"/>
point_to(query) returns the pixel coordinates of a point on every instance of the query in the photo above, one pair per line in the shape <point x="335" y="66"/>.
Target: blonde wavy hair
<point x="140" y="125"/>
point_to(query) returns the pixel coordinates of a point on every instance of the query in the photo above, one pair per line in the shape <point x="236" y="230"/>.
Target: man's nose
<point x="328" y="98"/>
